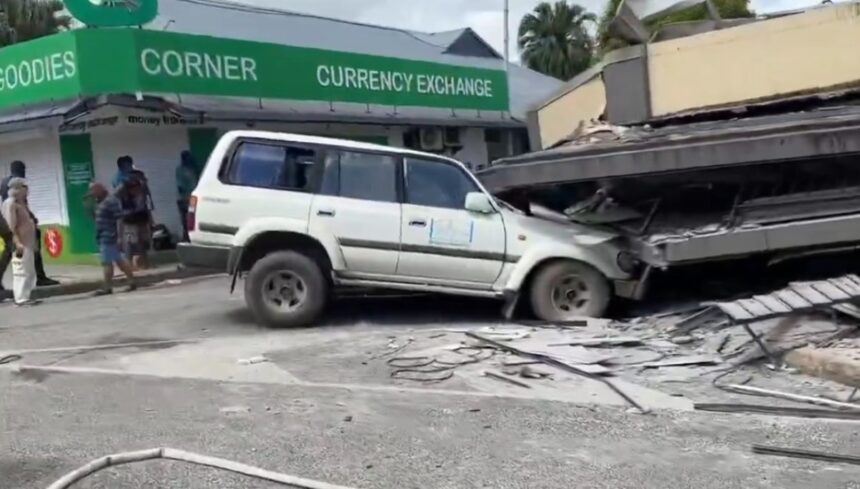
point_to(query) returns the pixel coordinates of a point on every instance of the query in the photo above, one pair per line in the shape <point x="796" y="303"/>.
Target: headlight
<point x="627" y="261"/>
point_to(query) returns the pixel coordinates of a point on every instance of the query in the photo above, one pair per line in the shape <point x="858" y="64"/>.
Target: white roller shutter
<point x="156" y="152"/>
<point x="44" y="176"/>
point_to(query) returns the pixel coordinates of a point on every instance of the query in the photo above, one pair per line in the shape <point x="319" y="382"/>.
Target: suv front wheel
<point x="565" y="290"/>
<point x="286" y="289"/>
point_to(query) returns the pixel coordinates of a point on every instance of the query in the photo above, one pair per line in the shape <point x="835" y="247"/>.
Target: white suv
<point x="303" y="215"/>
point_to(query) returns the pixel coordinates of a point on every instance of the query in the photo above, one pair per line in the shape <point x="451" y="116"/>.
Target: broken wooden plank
<point x="848" y="286"/>
<point x="685" y="360"/>
<point x="848" y="309"/>
<point x="791" y="411"/>
<point x="602" y="342"/>
<point x="735" y="311"/>
<point x="594" y="369"/>
<point x="555" y="363"/>
<point x="696" y="320"/>
<point x="503" y="378"/>
<point x="755" y="307"/>
<point x="793" y="299"/>
<point x="811" y="295"/>
<point x="773" y="303"/>
<point x="807" y="454"/>
<point x="746" y="389"/>
<point x="835" y="294"/>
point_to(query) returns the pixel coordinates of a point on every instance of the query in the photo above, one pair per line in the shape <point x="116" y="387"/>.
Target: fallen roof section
<point x="672" y="149"/>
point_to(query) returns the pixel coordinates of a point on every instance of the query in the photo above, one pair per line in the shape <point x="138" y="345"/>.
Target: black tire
<point x="575" y="275"/>
<point x="315" y="289"/>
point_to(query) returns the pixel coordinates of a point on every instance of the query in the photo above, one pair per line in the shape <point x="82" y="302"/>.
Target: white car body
<point x="389" y="244"/>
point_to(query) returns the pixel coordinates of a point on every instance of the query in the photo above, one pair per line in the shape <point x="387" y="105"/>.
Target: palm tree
<point x="22" y="20"/>
<point x="554" y="39"/>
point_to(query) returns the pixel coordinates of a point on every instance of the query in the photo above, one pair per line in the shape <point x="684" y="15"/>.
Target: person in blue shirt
<point x="125" y="166"/>
<point x="187" y="176"/>
<point x="108" y="214"/>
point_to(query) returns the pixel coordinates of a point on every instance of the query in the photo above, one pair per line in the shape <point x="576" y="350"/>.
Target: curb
<point x="85" y="286"/>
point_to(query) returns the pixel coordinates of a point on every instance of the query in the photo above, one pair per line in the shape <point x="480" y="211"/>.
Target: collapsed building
<point x="725" y="144"/>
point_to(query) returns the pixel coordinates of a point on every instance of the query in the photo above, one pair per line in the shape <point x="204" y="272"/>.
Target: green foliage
<point x="728" y="9"/>
<point x="23" y="20"/>
<point x="554" y="39"/>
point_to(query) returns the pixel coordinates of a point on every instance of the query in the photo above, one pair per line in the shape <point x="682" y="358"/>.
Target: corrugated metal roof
<point x="240" y="21"/>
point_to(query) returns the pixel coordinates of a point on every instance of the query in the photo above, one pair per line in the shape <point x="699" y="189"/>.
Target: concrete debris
<point x="252" y="360"/>
<point x="685" y="360"/>
<point x="756" y="391"/>
<point x="807" y="454"/>
<point x="235" y="410"/>
<point x="778" y="411"/>
<point x="603" y="342"/>
<point x="683" y="340"/>
<point x="648" y="361"/>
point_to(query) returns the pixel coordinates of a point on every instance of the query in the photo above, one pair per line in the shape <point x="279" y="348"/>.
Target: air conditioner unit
<point x="431" y="138"/>
<point x="452" y="137"/>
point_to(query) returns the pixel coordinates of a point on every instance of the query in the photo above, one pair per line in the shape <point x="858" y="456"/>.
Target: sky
<point x="484" y="16"/>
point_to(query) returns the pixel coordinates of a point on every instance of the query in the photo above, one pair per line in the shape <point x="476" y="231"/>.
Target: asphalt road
<point x="51" y="423"/>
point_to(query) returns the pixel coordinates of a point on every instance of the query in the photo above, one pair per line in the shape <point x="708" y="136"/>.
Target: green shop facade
<point x="72" y="103"/>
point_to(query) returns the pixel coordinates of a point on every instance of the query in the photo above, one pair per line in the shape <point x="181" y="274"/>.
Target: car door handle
<point x="325" y="212"/>
<point x="418" y="223"/>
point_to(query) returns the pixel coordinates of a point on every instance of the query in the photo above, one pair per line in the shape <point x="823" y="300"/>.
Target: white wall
<point x="474" y="150"/>
<point x="155" y="151"/>
<point x="40" y="151"/>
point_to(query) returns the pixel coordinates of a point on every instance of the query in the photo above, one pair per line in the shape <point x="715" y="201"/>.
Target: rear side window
<point x="273" y="166"/>
<point x="355" y="175"/>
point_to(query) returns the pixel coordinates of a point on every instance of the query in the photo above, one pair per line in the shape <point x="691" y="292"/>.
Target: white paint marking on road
<point x="98" y="347"/>
<point x="323" y="385"/>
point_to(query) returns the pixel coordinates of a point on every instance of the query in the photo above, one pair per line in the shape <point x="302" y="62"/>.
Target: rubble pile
<point x="695" y="359"/>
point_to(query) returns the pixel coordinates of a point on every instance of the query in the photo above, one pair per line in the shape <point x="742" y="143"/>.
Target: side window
<point x="272" y="166"/>
<point x="436" y="184"/>
<point x="330" y="182"/>
<point x="365" y="176"/>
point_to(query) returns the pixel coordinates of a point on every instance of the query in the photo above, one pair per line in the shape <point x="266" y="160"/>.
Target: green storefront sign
<point x="97" y="61"/>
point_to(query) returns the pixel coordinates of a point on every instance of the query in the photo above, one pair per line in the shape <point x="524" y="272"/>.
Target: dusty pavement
<point x="324" y="407"/>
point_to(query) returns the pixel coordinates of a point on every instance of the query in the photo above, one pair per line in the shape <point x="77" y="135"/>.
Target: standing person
<point x="19" y="170"/>
<point x="187" y="176"/>
<point x="137" y="223"/>
<point x="108" y="215"/>
<point x="124" y="167"/>
<point x="23" y="228"/>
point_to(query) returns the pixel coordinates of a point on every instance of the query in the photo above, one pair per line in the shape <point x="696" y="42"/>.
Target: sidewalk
<point x="80" y="279"/>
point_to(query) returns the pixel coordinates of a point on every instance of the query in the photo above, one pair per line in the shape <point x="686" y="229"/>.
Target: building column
<point x="77" y="156"/>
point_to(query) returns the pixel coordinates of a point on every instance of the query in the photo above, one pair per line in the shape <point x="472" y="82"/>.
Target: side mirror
<point x="479" y="202"/>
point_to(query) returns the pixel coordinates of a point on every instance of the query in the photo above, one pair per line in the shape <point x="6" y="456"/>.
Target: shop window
<point x="365" y="176"/>
<point x="272" y="166"/>
<point x="436" y="184"/>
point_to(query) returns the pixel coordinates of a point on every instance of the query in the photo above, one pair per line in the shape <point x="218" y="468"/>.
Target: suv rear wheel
<point x="286" y="289"/>
<point x="565" y="290"/>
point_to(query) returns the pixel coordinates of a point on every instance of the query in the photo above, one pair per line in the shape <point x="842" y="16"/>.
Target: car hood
<point x="563" y="231"/>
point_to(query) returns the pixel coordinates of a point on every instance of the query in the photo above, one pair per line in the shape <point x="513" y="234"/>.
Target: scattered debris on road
<point x="253" y="360"/>
<point x="705" y="353"/>
<point x="806" y="454"/>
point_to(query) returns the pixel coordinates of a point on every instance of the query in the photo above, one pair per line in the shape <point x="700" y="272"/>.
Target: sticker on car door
<point x="452" y="232"/>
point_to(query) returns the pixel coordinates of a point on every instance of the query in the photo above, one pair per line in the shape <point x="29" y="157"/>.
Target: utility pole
<point x="507" y="35"/>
